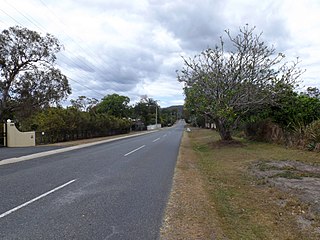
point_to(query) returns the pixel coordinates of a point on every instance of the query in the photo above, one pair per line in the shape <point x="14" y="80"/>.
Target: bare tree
<point x="224" y="85"/>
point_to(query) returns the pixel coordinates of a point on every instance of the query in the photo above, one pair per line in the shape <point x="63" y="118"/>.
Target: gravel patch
<point x="300" y="180"/>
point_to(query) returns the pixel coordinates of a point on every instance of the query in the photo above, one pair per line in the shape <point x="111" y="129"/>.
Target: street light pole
<point x="156" y="113"/>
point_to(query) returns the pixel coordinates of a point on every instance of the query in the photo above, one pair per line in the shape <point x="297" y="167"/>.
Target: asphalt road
<point x="116" y="190"/>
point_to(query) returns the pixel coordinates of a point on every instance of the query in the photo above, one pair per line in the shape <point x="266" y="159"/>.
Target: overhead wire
<point x="66" y="32"/>
<point x="41" y="28"/>
<point x="86" y="50"/>
<point x="64" y="74"/>
<point x="86" y="86"/>
<point x="28" y="18"/>
<point x="10" y="17"/>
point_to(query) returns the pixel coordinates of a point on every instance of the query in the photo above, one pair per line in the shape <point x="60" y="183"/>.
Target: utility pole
<point x="156" y="101"/>
<point x="156" y="115"/>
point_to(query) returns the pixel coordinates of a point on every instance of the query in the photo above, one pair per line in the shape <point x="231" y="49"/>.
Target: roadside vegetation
<point x="252" y="178"/>
<point x="244" y="86"/>
<point x="257" y="174"/>
<point x="242" y="190"/>
<point x="32" y="89"/>
<point x="90" y="118"/>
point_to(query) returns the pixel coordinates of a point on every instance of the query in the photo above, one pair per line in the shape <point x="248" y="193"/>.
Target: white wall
<point x="15" y="138"/>
<point x="153" y="127"/>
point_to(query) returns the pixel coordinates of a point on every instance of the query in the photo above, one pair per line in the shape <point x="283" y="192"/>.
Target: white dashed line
<point x="134" y="150"/>
<point x="35" y="199"/>
<point x="156" y="140"/>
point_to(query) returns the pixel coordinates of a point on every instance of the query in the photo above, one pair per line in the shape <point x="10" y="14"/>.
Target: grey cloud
<point x="197" y="24"/>
<point x="123" y="69"/>
<point x="268" y="19"/>
<point x="200" y="24"/>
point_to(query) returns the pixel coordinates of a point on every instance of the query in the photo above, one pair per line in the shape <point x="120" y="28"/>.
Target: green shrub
<point x="312" y="134"/>
<point x="264" y="130"/>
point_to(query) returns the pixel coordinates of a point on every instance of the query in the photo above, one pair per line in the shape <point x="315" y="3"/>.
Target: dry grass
<point x="189" y="214"/>
<point x="215" y="197"/>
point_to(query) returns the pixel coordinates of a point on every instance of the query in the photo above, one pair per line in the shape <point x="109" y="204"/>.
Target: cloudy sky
<point x="134" y="47"/>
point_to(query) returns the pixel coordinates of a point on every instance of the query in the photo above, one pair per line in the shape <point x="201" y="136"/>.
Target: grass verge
<point x="231" y="203"/>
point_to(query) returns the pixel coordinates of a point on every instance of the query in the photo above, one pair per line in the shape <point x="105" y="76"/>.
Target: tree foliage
<point x="295" y="110"/>
<point x="115" y="105"/>
<point x="145" y="110"/>
<point x="292" y="110"/>
<point x="227" y="84"/>
<point x="169" y="115"/>
<point x="312" y="92"/>
<point x="29" y="79"/>
<point x="63" y="124"/>
<point x="84" y="103"/>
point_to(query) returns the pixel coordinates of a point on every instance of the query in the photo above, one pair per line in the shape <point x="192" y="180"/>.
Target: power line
<point x="35" y="23"/>
<point x="86" y="50"/>
<point x="85" y="86"/>
<point x="11" y="17"/>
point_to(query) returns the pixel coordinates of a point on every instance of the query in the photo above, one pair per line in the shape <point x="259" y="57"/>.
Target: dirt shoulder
<point x="189" y="214"/>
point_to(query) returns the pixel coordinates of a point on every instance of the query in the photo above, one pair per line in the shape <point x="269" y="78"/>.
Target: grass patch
<point x="201" y="148"/>
<point x="296" y="175"/>
<point x="289" y="174"/>
<point x="244" y="209"/>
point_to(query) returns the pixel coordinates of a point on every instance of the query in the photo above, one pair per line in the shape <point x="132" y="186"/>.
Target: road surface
<point x="116" y="190"/>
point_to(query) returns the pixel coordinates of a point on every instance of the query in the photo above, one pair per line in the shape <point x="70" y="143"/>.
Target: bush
<point x="264" y="130"/>
<point x="312" y="135"/>
<point x="66" y="124"/>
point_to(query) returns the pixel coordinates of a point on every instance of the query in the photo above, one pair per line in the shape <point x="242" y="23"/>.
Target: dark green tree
<point x="168" y="116"/>
<point x="313" y="92"/>
<point x="146" y="109"/>
<point x="295" y="110"/>
<point x="114" y="105"/>
<point x="29" y="79"/>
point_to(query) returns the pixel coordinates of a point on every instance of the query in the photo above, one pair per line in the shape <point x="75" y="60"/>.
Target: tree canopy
<point x="29" y="79"/>
<point x="225" y="84"/>
<point x="145" y="110"/>
<point x="115" y="105"/>
<point x="84" y="103"/>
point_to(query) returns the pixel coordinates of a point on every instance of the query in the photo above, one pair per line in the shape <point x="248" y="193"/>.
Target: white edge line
<point x="156" y="140"/>
<point x="134" y="150"/>
<point x="35" y="199"/>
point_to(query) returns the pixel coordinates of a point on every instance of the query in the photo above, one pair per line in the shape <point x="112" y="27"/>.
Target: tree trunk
<point x="224" y="130"/>
<point x="5" y="93"/>
<point x="225" y="135"/>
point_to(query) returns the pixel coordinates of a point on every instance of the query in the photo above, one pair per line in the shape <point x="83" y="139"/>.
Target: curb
<point x="67" y="149"/>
